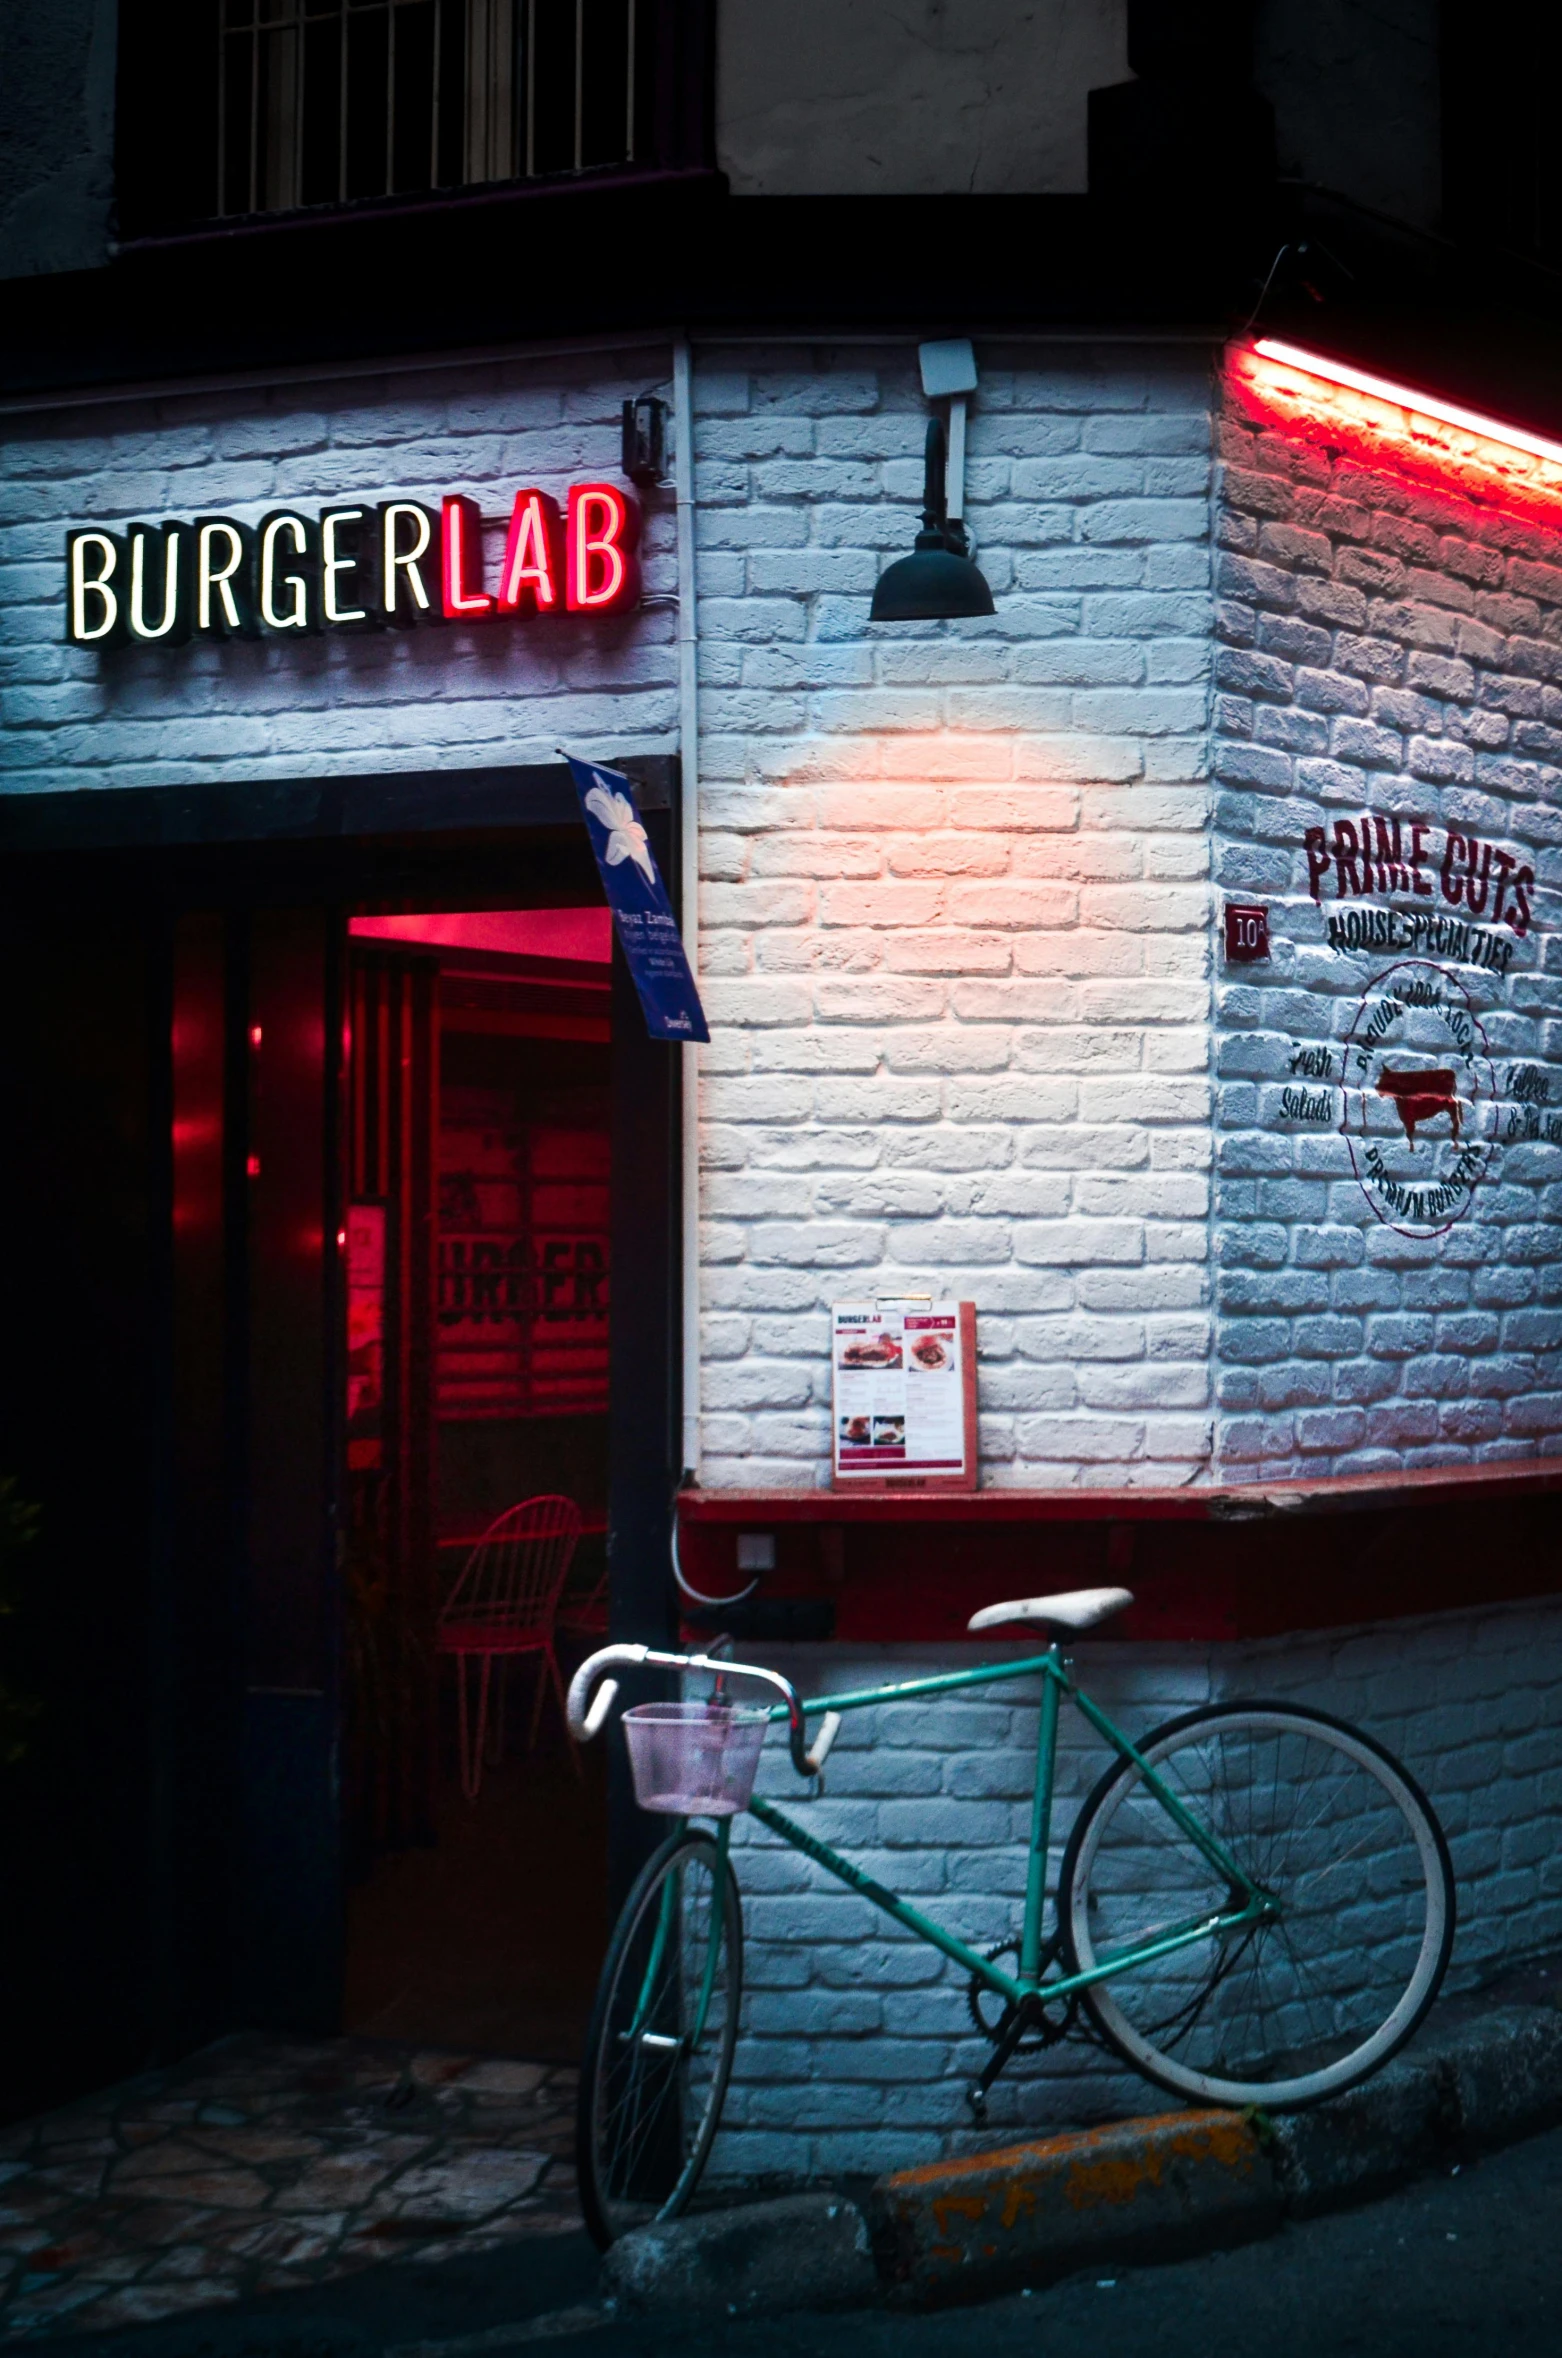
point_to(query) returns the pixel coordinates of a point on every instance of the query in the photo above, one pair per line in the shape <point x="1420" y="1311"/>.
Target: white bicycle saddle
<point x="1076" y="1608"/>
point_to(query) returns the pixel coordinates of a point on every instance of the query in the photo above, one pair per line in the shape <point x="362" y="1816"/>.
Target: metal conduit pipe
<point x="689" y="892"/>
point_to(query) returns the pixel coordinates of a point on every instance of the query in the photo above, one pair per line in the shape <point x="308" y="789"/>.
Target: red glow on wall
<point x="601" y="576"/>
<point x="531" y="554"/>
<point x="461" y="566"/>
<point x="1388" y="425"/>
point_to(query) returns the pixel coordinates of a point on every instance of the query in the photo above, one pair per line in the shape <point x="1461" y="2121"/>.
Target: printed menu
<point x="903" y="1392"/>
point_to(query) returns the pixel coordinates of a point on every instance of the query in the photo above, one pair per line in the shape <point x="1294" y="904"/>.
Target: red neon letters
<point x="531" y="555"/>
<point x="461" y="570"/>
<point x="601" y="576"/>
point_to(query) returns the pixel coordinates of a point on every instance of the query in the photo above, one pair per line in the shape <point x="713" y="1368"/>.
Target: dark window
<point x="233" y="108"/>
<point x="1502" y="170"/>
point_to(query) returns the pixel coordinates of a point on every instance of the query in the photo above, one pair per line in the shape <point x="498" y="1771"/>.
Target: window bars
<point x="327" y="101"/>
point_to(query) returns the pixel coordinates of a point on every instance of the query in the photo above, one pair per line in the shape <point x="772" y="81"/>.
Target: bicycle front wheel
<point x="659" y="2049"/>
<point x="1318" y="1992"/>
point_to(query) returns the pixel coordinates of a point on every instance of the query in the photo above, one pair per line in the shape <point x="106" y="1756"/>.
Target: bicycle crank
<point x="993" y="2015"/>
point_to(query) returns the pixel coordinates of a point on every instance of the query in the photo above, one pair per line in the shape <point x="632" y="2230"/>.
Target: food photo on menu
<point x="871" y="1350"/>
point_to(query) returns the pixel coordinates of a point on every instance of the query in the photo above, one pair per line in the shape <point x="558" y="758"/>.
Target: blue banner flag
<point x="647" y="929"/>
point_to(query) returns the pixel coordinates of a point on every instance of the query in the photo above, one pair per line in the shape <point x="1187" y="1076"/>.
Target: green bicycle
<point x="1255" y="1906"/>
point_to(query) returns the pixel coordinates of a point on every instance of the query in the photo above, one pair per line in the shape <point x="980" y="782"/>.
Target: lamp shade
<point x="931" y="585"/>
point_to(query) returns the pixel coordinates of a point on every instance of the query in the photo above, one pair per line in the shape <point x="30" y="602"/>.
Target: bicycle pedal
<point x="976" y="2098"/>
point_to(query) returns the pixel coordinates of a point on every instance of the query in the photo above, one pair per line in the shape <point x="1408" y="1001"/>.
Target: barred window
<point x="235" y="108"/>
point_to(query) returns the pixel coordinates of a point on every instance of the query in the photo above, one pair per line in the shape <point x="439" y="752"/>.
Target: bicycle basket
<point x="694" y="1760"/>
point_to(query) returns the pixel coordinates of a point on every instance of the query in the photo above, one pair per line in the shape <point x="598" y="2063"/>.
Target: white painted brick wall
<point x="954" y="889"/>
<point x="857" y="2046"/>
<point x="1392" y="649"/>
<point x="954" y="910"/>
<point x="388" y="700"/>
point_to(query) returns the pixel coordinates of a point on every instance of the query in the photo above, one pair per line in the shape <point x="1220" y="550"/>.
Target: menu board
<point x="903" y="1410"/>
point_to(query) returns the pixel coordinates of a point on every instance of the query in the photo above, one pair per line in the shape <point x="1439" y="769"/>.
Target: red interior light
<point x="601" y="575"/>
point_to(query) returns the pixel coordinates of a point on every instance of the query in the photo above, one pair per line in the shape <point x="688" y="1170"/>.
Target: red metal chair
<point x="504" y="1603"/>
<point x="583" y="1607"/>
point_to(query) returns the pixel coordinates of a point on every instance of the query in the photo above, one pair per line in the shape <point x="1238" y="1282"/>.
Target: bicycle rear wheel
<point x="659" y="2049"/>
<point x="1309" y="2000"/>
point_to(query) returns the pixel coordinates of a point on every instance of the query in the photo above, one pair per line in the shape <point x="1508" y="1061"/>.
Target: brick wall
<point x="954" y="906"/>
<point x="504" y="692"/>
<point x="1389" y="652"/>
<point x="857" y="2043"/>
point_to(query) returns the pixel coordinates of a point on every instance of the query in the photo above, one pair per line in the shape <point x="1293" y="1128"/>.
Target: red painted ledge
<point x="1234" y="1560"/>
<point x="1209" y="1502"/>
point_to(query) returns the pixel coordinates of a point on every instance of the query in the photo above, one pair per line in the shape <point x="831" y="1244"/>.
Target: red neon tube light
<point x="1425" y="405"/>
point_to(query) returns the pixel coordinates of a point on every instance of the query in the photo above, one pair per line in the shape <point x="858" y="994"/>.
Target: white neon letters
<point x="335" y="560"/>
<point x="406" y="539"/>
<point x="220" y="553"/>
<point x="93" y="558"/>
<point x="276" y="529"/>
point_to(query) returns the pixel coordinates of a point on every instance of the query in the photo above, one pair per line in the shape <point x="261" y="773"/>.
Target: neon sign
<point x="391" y="563"/>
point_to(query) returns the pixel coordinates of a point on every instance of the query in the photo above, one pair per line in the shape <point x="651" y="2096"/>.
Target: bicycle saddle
<point x="1077" y="1608"/>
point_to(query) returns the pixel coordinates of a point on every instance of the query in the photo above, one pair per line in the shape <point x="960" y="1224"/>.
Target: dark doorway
<point x="478" y="1264"/>
<point x="183" y="1852"/>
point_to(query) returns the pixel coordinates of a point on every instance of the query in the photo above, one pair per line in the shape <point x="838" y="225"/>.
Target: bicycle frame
<point x="1250" y="1901"/>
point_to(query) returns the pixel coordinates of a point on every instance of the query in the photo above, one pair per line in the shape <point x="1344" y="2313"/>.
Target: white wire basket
<point x="694" y="1760"/>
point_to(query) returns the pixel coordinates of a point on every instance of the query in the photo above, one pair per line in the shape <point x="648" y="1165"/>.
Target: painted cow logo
<point x="1420" y="1096"/>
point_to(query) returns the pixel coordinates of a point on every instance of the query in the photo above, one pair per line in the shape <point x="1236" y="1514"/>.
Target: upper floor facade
<point x="122" y="120"/>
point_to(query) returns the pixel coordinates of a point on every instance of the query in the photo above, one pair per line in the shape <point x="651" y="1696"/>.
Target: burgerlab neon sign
<point x="351" y="569"/>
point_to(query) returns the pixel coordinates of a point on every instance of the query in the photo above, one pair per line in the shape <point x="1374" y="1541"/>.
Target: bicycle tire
<point x="645" y="2120"/>
<point x="1297" y="2008"/>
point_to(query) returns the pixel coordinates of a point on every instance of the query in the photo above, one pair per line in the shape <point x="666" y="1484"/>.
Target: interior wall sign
<point x="353" y="567"/>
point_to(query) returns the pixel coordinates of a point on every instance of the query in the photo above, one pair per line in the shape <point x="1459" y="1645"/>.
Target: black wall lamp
<point x="939" y="581"/>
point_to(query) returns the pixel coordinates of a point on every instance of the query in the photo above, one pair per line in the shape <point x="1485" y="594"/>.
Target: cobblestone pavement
<point x="263" y="2165"/>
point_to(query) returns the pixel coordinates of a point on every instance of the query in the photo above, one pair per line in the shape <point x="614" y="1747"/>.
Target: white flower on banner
<point x="626" y="838"/>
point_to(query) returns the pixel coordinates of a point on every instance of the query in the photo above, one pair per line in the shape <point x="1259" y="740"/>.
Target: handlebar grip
<point x="583" y="1725"/>
<point x="829" y="1729"/>
<point x="601" y="1705"/>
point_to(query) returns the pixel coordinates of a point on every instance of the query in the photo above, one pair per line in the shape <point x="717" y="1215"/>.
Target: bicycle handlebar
<point x="584" y="1722"/>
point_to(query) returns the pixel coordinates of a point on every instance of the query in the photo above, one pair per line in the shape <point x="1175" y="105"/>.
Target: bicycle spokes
<point x="1293" y="1983"/>
<point x="661" y="2044"/>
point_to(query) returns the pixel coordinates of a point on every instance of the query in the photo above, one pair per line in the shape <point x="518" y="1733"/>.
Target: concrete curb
<point x="1161" y="2187"/>
<point x="807" y="2251"/>
<point x="1139" y="2189"/>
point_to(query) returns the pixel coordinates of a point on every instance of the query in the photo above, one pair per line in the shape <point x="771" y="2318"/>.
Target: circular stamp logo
<point x="1418" y="1098"/>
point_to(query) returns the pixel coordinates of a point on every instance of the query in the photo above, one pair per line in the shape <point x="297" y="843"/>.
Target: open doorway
<point x="476" y="1149"/>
